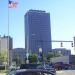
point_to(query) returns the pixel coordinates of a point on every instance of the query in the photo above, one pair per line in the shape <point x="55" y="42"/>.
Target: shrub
<point x="2" y="67"/>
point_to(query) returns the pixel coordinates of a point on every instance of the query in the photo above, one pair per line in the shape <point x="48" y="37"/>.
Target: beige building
<point x="5" y="46"/>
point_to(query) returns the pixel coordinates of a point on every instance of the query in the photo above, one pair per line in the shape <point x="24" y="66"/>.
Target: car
<point x="30" y="72"/>
<point x="47" y="67"/>
<point x="29" y="66"/>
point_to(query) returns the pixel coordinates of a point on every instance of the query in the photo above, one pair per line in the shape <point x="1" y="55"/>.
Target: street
<point x="63" y="72"/>
<point x="66" y="72"/>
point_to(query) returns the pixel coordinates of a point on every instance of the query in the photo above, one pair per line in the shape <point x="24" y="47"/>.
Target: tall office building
<point x="37" y="31"/>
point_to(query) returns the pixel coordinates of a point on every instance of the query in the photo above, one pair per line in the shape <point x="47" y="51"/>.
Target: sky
<point x="62" y="17"/>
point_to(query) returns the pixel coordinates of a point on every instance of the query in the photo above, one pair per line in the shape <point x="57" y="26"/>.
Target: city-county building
<point x="37" y="31"/>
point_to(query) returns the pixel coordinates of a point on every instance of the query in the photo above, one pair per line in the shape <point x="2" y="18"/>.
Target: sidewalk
<point x="65" y="72"/>
<point x="2" y="73"/>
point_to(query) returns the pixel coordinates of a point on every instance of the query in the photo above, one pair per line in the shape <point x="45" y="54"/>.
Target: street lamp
<point x="27" y="61"/>
<point x="40" y="50"/>
<point x="40" y="54"/>
<point x="27" y="54"/>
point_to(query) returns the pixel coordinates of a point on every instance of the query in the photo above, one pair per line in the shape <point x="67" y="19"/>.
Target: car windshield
<point x="33" y="73"/>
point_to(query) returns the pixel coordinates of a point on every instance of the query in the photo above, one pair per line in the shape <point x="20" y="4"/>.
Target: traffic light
<point x="72" y="44"/>
<point x="61" y="44"/>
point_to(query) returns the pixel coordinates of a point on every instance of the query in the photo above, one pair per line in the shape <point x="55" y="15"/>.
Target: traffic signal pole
<point x="74" y="43"/>
<point x="61" y="41"/>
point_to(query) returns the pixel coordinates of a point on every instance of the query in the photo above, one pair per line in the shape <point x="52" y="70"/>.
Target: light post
<point x="5" y="63"/>
<point x="40" y="50"/>
<point x="27" y="54"/>
<point x="40" y="54"/>
<point x="27" y="61"/>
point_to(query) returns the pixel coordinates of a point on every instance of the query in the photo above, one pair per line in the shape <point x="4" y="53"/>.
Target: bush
<point x="2" y="67"/>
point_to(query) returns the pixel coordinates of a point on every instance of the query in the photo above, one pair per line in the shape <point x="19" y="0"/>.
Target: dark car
<point x="29" y="66"/>
<point x="47" y="67"/>
<point x="39" y="66"/>
<point x="30" y="72"/>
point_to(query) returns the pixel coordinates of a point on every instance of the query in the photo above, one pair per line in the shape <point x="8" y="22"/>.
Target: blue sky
<point x="62" y="15"/>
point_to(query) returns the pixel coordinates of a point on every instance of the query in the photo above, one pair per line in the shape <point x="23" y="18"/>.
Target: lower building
<point x="62" y="51"/>
<point x="70" y="59"/>
<point x="6" y="45"/>
<point x="18" y="55"/>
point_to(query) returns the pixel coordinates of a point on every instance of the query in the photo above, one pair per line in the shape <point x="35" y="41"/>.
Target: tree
<point x="33" y="58"/>
<point x="49" y="56"/>
<point x="3" y="57"/>
<point x="17" y="59"/>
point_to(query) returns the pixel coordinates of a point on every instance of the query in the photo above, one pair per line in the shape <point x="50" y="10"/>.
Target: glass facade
<point x="37" y="31"/>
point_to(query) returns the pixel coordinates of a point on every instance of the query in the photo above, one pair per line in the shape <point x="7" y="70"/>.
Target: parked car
<point x="30" y="72"/>
<point x="48" y="68"/>
<point x="28" y="66"/>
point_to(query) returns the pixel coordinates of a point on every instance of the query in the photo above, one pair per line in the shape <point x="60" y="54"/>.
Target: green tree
<point x="33" y="58"/>
<point x="49" y="56"/>
<point x="3" y="57"/>
<point x="17" y="59"/>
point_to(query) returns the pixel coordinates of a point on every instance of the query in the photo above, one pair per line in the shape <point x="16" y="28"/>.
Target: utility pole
<point x="74" y="43"/>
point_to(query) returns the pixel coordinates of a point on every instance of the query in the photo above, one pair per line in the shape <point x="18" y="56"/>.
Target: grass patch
<point x="4" y="71"/>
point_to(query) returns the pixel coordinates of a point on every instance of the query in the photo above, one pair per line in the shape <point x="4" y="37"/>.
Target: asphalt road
<point x="66" y="72"/>
<point x="63" y="72"/>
